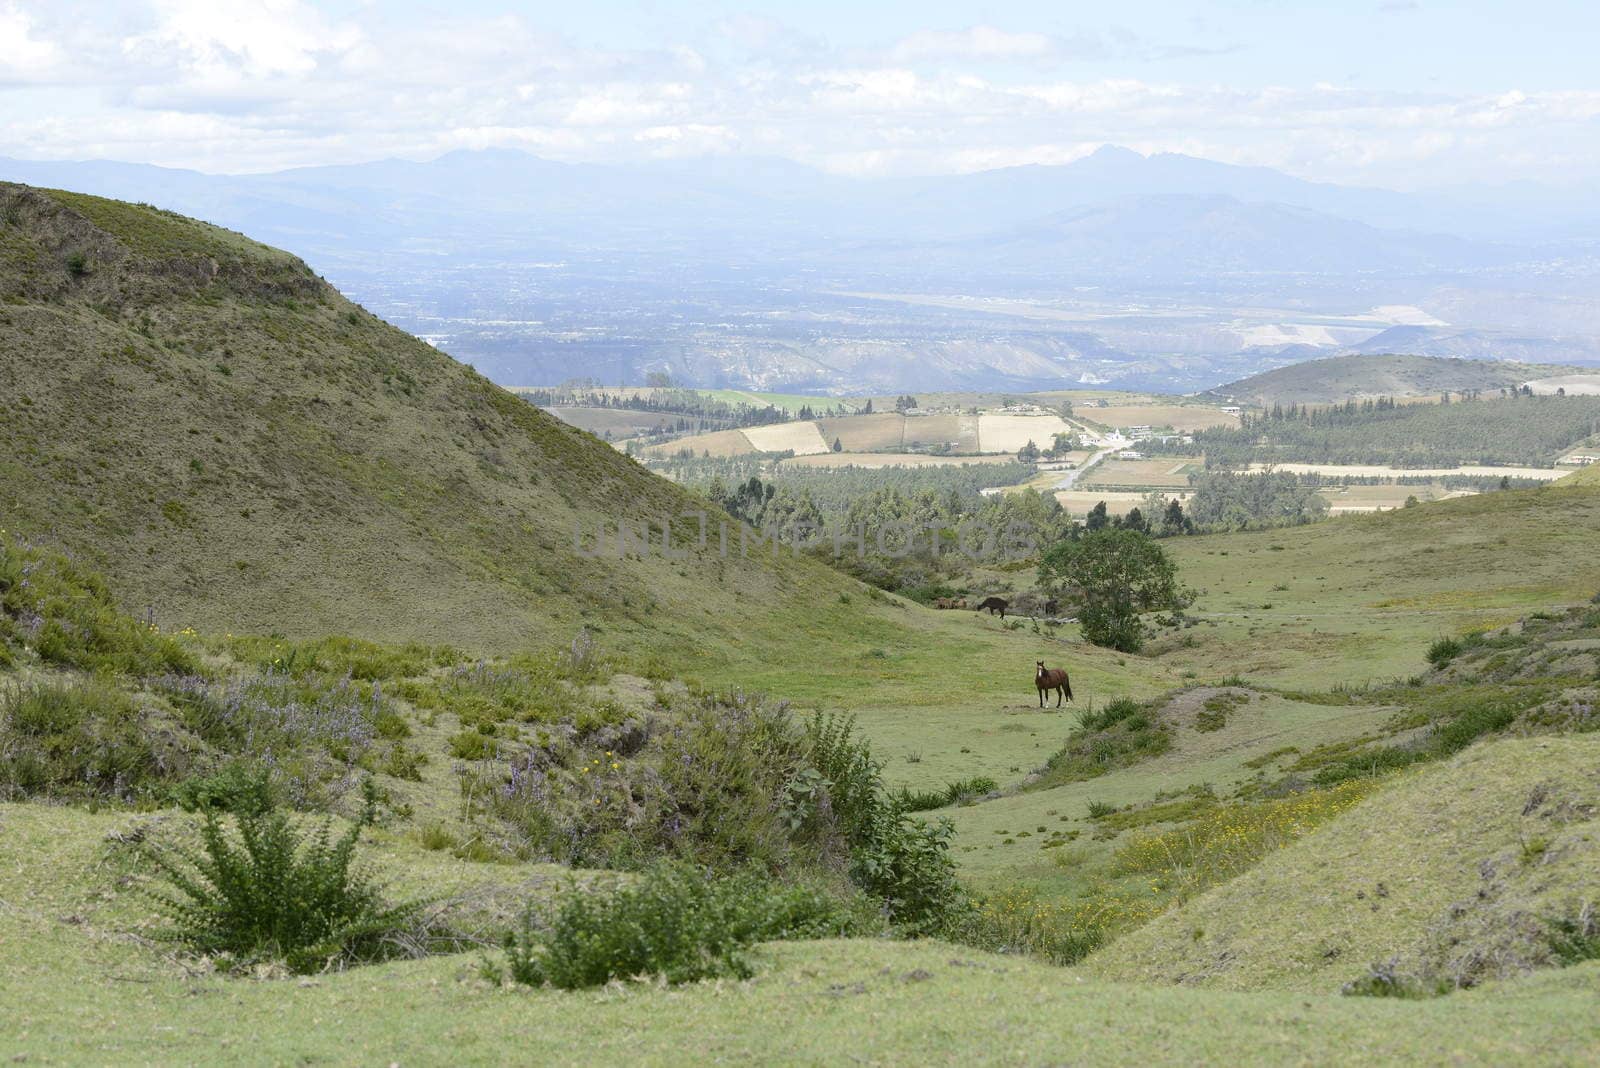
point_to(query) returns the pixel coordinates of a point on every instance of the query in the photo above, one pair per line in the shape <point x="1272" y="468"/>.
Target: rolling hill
<point x="239" y="447"/>
<point x="1339" y="378"/>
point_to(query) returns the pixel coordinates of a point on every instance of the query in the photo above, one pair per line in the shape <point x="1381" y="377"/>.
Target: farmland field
<point x="1335" y="471"/>
<point x="1008" y="433"/>
<point x="1118" y="502"/>
<point x="1155" y="472"/>
<point x="717" y="443"/>
<point x="879" y="432"/>
<point x="1180" y="417"/>
<point x="1344" y="499"/>
<point x="960" y="432"/>
<point x="619" y="422"/>
<point x="880" y="459"/>
<point x="801" y="438"/>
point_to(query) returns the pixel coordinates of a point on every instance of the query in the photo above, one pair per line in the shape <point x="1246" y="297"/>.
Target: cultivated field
<point x="881" y="459"/>
<point x="618" y="422"/>
<point x="801" y="438"/>
<point x="1118" y="502"/>
<point x="717" y="443"/>
<point x="1545" y="474"/>
<point x="1008" y="433"/>
<point x="878" y="432"/>
<point x="1180" y="417"/>
<point x="960" y="432"/>
<point x="1156" y="472"/>
<point x="1347" y="499"/>
<point x="1580" y="385"/>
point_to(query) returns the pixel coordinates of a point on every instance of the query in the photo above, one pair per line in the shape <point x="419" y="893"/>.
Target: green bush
<point x="1576" y="938"/>
<point x="76" y="738"/>
<point x="277" y="892"/>
<point x="953" y="793"/>
<point x="674" y="922"/>
<point x="66" y="616"/>
<point x="1384" y="981"/>
<point x="1443" y="651"/>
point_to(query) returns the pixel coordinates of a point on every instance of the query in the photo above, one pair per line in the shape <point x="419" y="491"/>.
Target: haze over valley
<point x="1160" y="272"/>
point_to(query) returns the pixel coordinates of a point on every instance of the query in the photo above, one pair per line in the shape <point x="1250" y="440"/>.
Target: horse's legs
<point x="1041" y="697"/>
<point x="1058" y="697"/>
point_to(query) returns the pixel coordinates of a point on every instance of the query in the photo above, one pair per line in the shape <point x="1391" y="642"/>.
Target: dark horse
<point x="1047" y="679"/>
<point x="994" y="604"/>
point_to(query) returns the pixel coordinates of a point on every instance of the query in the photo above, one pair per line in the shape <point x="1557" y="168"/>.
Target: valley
<point x="265" y="557"/>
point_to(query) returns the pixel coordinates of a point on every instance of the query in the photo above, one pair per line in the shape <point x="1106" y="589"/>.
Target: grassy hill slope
<point x="1359" y="598"/>
<point x="1454" y="872"/>
<point x="81" y="983"/>
<point x="1339" y="378"/>
<point x="239" y="447"/>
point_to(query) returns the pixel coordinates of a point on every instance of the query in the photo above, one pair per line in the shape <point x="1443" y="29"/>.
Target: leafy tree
<point x="868" y="409"/>
<point x="1113" y="576"/>
<point x="1028" y="453"/>
<point x="838" y="446"/>
<point x="1097" y="518"/>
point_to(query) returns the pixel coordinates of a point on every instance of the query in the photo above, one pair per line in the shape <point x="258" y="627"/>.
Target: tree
<point x="1175" y="521"/>
<point x="1112" y="577"/>
<point x="838" y="446"/>
<point x="659" y="379"/>
<point x="1097" y="518"/>
<point x="868" y="409"/>
<point x="1028" y="453"/>
<point x="1135" y="520"/>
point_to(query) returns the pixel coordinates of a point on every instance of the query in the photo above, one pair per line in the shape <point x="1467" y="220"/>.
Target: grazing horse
<point x="1051" y="609"/>
<point x="994" y="604"/>
<point x="1047" y="679"/>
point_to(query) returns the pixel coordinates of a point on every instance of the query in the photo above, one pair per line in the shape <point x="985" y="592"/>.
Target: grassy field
<point x="79" y="989"/>
<point x="1360" y="597"/>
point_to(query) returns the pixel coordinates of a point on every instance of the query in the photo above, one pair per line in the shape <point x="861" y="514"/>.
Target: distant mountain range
<point x="1339" y="378"/>
<point x="1164" y="271"/>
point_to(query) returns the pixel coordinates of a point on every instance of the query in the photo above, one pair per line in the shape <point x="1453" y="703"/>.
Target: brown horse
<point x="994" y="604"/>
<point x="1047" y="679"/>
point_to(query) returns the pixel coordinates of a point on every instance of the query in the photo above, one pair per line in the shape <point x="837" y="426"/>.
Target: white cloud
<point x="977" y="42"/>
<point x="263" y="84"/>
<point x="23" y="56"/>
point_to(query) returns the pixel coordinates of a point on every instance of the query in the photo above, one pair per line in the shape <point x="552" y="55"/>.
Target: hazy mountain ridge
<point x="721" y="272"/>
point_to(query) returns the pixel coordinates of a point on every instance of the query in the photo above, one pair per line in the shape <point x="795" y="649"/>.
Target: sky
<point x="1398" y="93"/>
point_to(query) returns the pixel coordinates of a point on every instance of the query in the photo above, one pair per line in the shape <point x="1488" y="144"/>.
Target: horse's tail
<point x="1066" y="684"/>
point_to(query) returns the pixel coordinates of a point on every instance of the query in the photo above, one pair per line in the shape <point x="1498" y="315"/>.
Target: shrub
<point x="903" y="862"/>
<point x="65" y="614"/>
<point x="675" y="922"/>
<point x="953" y="793"/>
<point x="1113" y="713"/>
<point x="76" y="738"/>
<point x="278" y="892"/>
<point x="1386" y="981"/>
<point x="1443" y="651"/>
<point x="1017" y="920"/>
<point x="1576" y="938"/>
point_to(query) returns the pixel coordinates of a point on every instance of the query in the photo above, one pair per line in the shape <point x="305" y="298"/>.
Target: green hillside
<point x="240" y="448"/>
<point x="1453" y="873"/>
<point x="1340" y="378"/>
